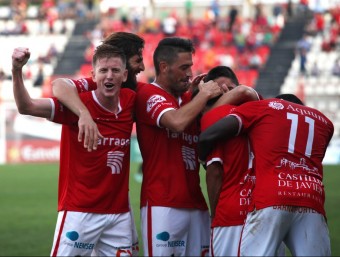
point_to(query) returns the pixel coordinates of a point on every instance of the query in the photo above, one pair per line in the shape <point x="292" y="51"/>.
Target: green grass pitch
<point x="28" y="202"/>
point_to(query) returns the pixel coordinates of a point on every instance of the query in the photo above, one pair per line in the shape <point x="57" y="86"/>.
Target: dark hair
<point x="168" y="49"/>
<point x="214" y="73"/>
<point x="221" y="71"/>
<point x="130" y="43"/>
<point x="290" y="98"/>
<point x="108" y="51"/>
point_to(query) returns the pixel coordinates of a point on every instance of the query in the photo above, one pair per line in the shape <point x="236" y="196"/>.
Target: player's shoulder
<point x="127" y="94"/>
<point x="148" y="90"/>
<point x="84" y="84"/>
<point x="214" y="115"/>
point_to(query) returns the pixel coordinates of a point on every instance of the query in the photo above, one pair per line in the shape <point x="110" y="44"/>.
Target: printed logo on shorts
<point x="115" y="161"/>
<point x="276" y="105"/>
<point x="153" y="100"/>
<point x="72" y="235"/>
<point x="165" y="236"/>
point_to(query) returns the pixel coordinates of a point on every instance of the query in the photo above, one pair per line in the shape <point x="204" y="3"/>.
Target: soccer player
<point x="289" y="141"/>
<point x="229" y="177"/>
<point x="93" y="203"/>
<point x="66" y="90"/>
<point x="174" y="215"/>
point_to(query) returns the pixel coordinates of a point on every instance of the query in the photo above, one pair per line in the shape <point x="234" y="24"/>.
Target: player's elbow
<point x="58" y="86"/>
<point x="248" y="94"/>
<point x="176" y="129"/>
<point x="24" y="109"/>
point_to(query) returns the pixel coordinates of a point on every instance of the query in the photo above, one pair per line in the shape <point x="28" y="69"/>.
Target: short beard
<point x="130" y="82"/>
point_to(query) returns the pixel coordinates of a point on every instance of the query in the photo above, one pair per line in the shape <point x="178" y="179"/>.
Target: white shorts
<point x="173" y="231"/>
<point x="303" y="230"/>
<point x="225" y="240"/>
<point x="86" y="234"/>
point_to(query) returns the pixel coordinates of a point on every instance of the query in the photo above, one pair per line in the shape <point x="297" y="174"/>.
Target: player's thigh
<point x="225" y="241"/>
<point x="198" y="235"/>
<point x="309" y="235"/>
<point x="263" y="232"/>
<point x="76" y="233"/>
<point x="164" y="230"/>
<point x="116" y="237"/>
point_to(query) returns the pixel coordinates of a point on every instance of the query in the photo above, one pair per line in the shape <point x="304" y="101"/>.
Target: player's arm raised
<point x="67" y="93"/>
<point x="178" y="120"/>
<point x="26" y="105"/>
<point x="237" y="96"/>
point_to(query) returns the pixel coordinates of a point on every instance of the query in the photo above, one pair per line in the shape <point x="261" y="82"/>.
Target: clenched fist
<point x="20" y="57"/>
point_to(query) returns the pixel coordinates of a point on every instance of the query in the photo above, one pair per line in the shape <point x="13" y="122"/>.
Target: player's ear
<point x="125" y="75"/>
<point x="163" y="66"/>
<point x="93" y="74"/>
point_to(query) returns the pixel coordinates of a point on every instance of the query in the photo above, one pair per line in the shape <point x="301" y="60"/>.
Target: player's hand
<point x="211" y="88"/>
<point x="20" y="57"/>
<point x="89" y="131"/>
<point x="224" y="88"/>
<point x="196" y="81"/>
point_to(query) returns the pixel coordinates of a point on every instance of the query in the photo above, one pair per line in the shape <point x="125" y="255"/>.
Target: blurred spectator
<point x="81" y="9"/>
<point x="18" y="9"/>
<point x="169" y="25"/>
<point x="137" y="18"/>
<point x="302" y="48"/>
<point x="277" y="11"/>
<point x="319" y="23"/>
<point x="39" y="80"/>
<point x="2" y="75"/>
<point x="52" y="53"/>
<point x="336" y="67"/>
<point x="50" y="57"/>
<point x="188" y="5"/>
<point x="226" y="60"/>
<point x="289" y="9"/>
<point x="215" y="8"/>
<point x="124" y="14"/>
<point x="303" y="6"/>
<point x="255" y="61"/>
<point x="232" y="17"/>
<point x="240" y="42"/>
<point x="315" y="71"/>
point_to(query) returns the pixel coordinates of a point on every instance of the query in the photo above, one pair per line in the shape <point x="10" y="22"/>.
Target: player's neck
<point x="165" y="87"/>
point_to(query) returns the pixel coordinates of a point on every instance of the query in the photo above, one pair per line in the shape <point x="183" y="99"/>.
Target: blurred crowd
<point x="222" y="35"/>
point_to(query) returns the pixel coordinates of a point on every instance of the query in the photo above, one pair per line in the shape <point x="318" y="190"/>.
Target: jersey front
<point x="238" y="178"/>
<point x="170" y="159"/>
<point x="96" y="181"/>
<point x="289" y="143"/>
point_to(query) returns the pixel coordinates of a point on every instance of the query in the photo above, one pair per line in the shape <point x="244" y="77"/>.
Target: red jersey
<point x="238" y="177"/>
<point x="289" y="143"/>
<point x="170" y="159"/>
<point x="87" y="84"/>
<point x="97" y="181"/>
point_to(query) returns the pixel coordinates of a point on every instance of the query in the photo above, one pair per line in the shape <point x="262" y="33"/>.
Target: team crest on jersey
<point x="153" y="100"/>
<point x="276" y="105"/>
